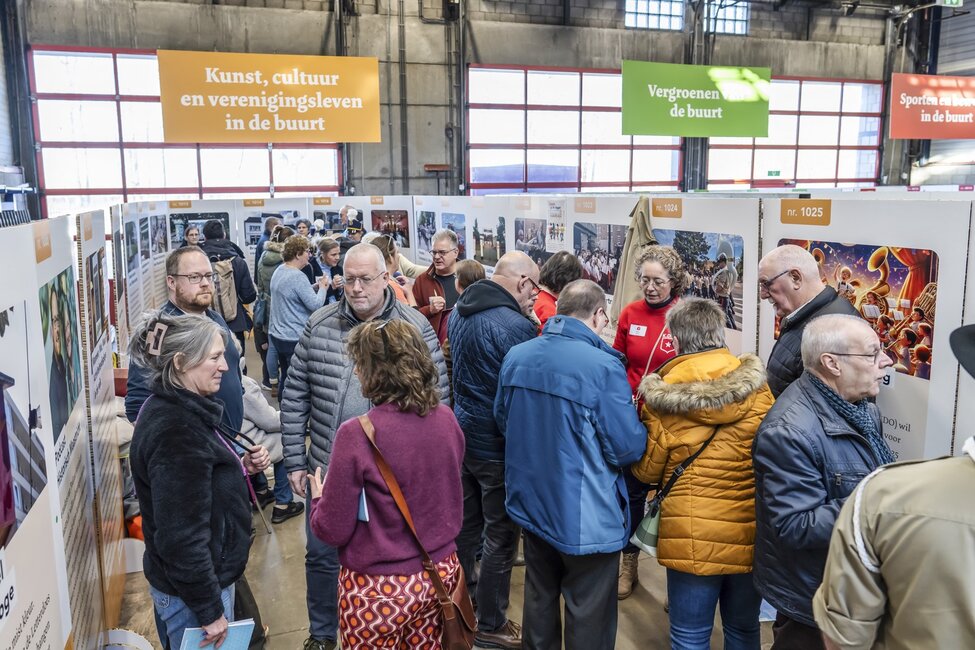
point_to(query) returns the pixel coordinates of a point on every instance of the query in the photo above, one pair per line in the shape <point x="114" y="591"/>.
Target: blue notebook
<point x="238" y="636"/>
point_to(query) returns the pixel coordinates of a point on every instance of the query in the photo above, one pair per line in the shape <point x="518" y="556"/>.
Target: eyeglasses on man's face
<point x="657" y="282"/>
<point x="535" y="288"/>
<point x="196" y="278"/>
<point x="365" y="280"/>
<point x="873" y="356"/>
<point x="442" y="253"/>
<point x="766" y="285"/>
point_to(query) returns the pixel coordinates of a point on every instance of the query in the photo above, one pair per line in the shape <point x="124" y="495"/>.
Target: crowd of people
<point x="430" y="418"/>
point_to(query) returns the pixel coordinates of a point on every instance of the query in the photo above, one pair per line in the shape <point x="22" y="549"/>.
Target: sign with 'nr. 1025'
<point x="222" y="97"/>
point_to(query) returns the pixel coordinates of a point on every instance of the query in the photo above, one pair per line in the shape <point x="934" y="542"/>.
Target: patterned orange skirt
<point x="398" y="612"/>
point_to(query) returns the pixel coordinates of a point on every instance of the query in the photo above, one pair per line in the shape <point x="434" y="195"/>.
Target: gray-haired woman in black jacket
<point x="191" y="483"/>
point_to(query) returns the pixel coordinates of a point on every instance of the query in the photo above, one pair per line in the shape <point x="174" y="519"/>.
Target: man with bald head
<point x="491" y="317"/>
<point x="819" y="440"/>
<point x="789" y="278"/>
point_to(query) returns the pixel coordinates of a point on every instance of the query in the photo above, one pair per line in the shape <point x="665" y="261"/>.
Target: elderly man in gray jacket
<point x="320" y="394"/>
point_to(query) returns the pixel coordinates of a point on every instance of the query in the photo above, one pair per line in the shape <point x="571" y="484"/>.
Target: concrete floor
<point x="277" y="577"/>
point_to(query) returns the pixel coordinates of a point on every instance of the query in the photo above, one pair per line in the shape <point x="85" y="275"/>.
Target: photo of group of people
<point x="489" y="240"/>
<point x="894" y="289"/>
<point x="426" y="227"/>
<point x="714" y="264"/>
<point x="395" y="223"/>
<point x="458" y="224"/>
<point x="530" y="239"/>
<point x="23" y="468"/>
<point x="599" y="248"/>
<point x="95" y="283"/>
<point x="59" y="318"/>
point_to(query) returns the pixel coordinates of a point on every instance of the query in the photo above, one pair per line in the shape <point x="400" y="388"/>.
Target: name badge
<point x="638" y="330"/>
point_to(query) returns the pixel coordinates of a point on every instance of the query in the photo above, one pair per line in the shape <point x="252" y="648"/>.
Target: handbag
<point x="262" y="312"/>
<point x="457" y="611"/>
<point x="646" y="535"/>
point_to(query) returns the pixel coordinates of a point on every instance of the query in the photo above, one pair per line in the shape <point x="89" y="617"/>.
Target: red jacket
<point x="425" y="287"/>
<point x="544" y="308"/>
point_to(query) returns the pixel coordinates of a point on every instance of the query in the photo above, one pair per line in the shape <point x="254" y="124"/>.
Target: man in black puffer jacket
<point x="789" y="278"/>
<point x="490" y="319"/>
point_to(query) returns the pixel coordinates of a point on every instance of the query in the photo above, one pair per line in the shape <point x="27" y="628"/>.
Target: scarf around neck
<point x="859" y="417"/>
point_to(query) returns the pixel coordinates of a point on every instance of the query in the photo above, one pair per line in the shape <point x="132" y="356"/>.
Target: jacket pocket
<point x="843" y="479"/>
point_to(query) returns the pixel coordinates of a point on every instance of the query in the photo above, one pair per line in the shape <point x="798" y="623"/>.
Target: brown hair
<point x="386" y="246"/>
<point x="668" y="258"/>
<point x="468" y="272"/>
<point x="294" y="246"/>
<point x="394" y="365"/>
<point x="281" y="233"/>
<point x="560" y="269"/>
<point x="326" y="244"/>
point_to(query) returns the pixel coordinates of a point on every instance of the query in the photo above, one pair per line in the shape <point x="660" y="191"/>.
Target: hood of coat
<point x="219" y="249"/>
<point x="712" y="387"/>
<point x="272" y="254"/>
<point x="484" y="295"/>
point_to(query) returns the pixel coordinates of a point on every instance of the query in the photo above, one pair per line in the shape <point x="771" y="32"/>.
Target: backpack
<point x="224" y="289"/>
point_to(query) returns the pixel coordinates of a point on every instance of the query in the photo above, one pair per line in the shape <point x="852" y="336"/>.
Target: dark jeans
<point x="692" y="602"/>
<point x="487" y="521"/>
<point x="285" y="350"/>
<point x="282" y="488"/>
<point x="790" y="634"/>
<point x="321" y="583"/>
<point x="260" y="340"/>
<point x="636" y="493"/>
<point x="588" y="585"/>
<point x="242" y="339"/>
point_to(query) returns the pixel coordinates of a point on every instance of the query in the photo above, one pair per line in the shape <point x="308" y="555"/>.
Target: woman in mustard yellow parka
<point x="707" y="522"/>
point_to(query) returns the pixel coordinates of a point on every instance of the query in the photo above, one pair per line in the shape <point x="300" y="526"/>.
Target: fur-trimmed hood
<point x="712" y="386"/>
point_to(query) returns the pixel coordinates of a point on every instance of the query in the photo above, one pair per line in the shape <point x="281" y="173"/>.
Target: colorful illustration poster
<point x="893" y="267"/>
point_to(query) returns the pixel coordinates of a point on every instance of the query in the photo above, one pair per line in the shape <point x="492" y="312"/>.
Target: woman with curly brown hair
<point x="642" y="336"/>
<point x="386" y="598"/>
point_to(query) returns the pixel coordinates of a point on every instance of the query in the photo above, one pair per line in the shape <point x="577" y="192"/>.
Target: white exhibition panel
<point x="893" y="251"/>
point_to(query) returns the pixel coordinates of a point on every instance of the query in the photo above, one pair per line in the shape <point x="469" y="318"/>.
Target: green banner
<point x="696" y="101"/>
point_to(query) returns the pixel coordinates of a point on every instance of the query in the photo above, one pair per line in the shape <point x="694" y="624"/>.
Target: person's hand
<point x="315" y="483"/>
<point x="298" y="480"/>
<point x="323" y="283"/>
<point x="338" y="282"/>
<point x="402" y="280"/>
<point x="215" y="633"/>
<point x="257" y="460"/>
<point x="437" y="304"/>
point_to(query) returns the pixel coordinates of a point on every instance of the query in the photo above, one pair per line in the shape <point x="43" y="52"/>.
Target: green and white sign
<point x="696" y="101"/>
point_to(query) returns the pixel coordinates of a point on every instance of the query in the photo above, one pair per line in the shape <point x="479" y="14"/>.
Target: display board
<point x="906" y="278"/>
<point x="99" y="398"/>
<point x="119" y="309"/>
<point x="482" y="226"/>
<point x="249" y="215"/>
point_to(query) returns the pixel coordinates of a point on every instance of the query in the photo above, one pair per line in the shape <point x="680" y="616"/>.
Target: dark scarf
<point x="859" y="417"/>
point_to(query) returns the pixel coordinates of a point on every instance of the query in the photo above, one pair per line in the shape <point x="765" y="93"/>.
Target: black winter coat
<point x="807" y="460"/>
<point x="486" y="324"/>
<point x="785" y="361"/>
<point x="196" y="511"/>
<point x="224" y="249"/>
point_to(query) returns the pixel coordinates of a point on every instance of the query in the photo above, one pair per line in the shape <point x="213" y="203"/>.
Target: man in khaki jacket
<point x="902" y="556"/>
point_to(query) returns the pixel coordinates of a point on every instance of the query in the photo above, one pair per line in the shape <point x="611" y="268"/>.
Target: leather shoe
<point x="293" y="509"/>
<point x="507" y="637"/>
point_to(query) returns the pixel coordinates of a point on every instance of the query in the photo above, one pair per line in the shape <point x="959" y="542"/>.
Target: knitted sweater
<point x="292" y="301"/>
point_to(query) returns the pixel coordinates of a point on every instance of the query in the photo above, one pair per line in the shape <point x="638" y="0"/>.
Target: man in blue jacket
<point x="490" y="318"/>
<point x="564" y="407"/>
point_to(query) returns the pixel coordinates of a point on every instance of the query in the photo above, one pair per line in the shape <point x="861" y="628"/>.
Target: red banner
<point x="932" y="107"/>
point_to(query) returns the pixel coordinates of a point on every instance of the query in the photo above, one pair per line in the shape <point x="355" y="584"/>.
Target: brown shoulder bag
<point x="457" y="615"/>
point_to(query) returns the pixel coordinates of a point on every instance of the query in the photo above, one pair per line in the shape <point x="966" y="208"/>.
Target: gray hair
<point x="790" y="256"/>
<point x="697" y="324"/>
<point x="829" y="333"/>
<point x="369" y="236"/>
<point x="368" y="250"/>
<point x="186" y="336"/>
<point x="580" y="299"/>
<point x="448" y="234"/>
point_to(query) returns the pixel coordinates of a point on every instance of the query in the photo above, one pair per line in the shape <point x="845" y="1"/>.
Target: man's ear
<point x="829" y="364"/>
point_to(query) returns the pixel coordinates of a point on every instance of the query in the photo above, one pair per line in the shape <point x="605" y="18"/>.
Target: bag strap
<point x="646" y="369"/>
<point x="680" y="469"/>
<point x="397" y="493"/>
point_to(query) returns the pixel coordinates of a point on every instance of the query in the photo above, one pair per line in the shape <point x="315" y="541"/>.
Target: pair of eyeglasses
<point x="535" y="288"/>
<point x="765" y="285"/>
<point x="351" y="281"/>
<point x="873" y="356"/>
<point x="196" y="278"/>
<point x="442" y="253"/>
<point x="657" y="282"/>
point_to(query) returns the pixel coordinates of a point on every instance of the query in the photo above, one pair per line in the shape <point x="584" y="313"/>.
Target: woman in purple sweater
<point x="386" y="599"/>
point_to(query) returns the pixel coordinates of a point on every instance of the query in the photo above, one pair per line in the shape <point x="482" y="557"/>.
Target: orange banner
<point x="932" y="107"/>
<point x="222" y="97"/>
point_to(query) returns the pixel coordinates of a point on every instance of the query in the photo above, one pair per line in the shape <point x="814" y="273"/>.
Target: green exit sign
<point x="949" y="3"/>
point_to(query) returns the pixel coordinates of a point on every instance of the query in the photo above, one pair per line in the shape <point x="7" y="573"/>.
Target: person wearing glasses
<point x="492" y="317"/>
<point x="434" y="289"/>
<point x="321" y="392"/>
<point x="189" y="279"/>
<point x="643" y="338"/>
<point x="292" y="301"/>
<point x="789" y="278"/>
<point x="822" y="436"/>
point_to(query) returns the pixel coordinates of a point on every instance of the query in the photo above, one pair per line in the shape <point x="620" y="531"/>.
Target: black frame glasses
<point x="873" y="356"/>
<point x="199" y="277"/>
<point x="434" y="253"/>
<point x="765" y="284"/>
<point x="537" y="289"/>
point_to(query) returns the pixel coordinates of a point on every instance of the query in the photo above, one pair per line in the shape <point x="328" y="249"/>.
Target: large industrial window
<point x="98" y="127"/>
<point x="547" y="130"/>
<point x="725" y="16"/>
<point x="821" y="133"/>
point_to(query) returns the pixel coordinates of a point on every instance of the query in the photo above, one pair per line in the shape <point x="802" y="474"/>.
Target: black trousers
<point x="588" y="585"/>
<point x="790" y="634"/>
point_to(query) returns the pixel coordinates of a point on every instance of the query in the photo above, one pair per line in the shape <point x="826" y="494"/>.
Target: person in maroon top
<point x="560" y="269"/>
<point x="643" y="337"/>
<point x="355" y="512"/>
<point x="434" y="289"/>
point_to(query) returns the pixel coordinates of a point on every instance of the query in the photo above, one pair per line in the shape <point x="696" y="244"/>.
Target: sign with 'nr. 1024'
<point x="222" y="97"/>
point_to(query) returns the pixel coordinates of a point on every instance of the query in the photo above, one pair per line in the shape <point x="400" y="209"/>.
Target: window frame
<point x="199" y="190"/>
